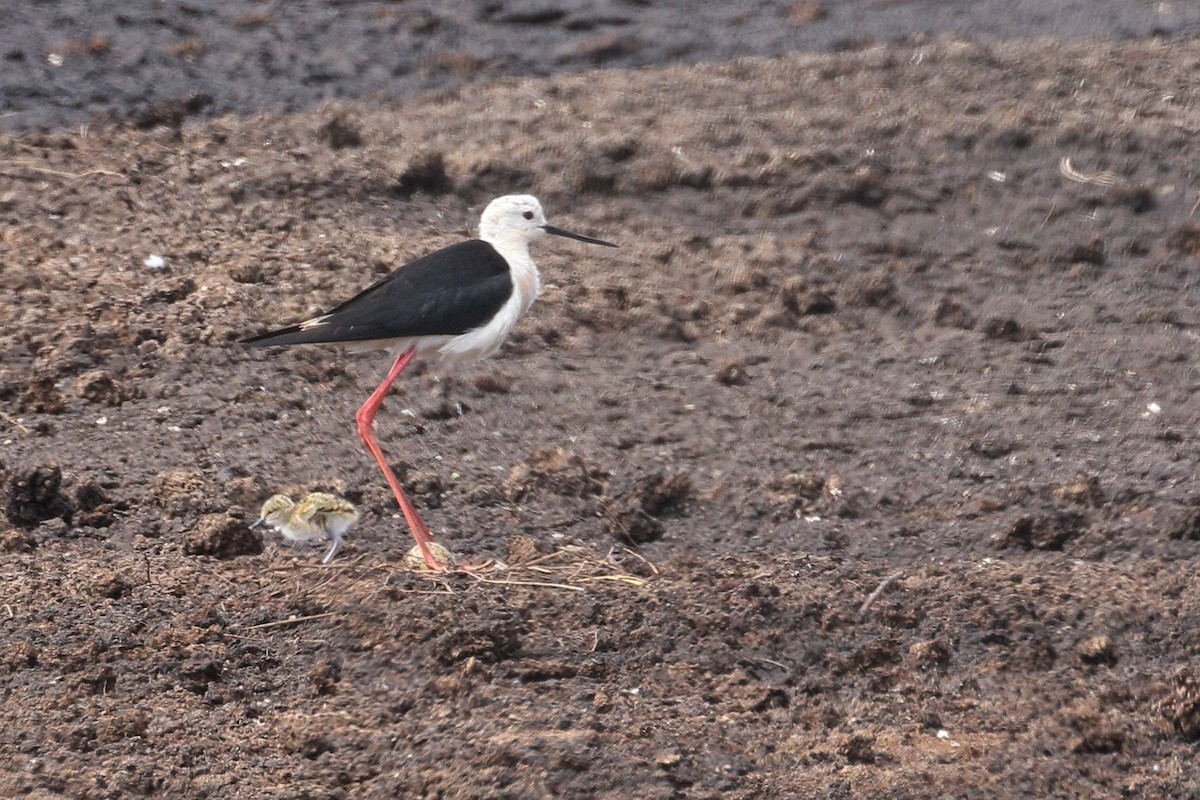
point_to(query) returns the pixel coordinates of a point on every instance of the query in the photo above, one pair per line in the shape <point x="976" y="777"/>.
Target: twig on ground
<point x="1068" y="171"/>
<point x="60" y="173"/>
<point x="873" y="596"/>
<point x="14" y="422"/>
<point x="632" y="580"/>
<point x="508" y="582"/>
<point x="288" y="621"/>
<point x="643" y="559"/>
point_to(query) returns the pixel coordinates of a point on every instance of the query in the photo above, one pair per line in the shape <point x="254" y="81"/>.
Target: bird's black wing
<point x="446" y="293"/>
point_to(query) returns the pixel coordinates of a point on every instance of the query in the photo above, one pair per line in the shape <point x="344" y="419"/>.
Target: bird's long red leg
<point x="365" y="417"/>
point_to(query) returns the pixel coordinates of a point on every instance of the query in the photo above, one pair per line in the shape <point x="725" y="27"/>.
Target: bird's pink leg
<point x="365" y="417"/>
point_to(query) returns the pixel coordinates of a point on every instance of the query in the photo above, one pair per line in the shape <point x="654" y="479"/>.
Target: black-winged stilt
<point x="455" y="304"/>
<point x="316" y="516"/>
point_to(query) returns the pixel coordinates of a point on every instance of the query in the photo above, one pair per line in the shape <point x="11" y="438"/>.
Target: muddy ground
<point x="864" y="467"/>
<point x="71" y="63"/>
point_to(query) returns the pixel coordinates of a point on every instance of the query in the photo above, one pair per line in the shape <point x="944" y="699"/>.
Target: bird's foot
<point x="337" y="545"/>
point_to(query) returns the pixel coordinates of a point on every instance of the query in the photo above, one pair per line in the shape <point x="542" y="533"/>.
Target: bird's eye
<point x="528" y="215"/>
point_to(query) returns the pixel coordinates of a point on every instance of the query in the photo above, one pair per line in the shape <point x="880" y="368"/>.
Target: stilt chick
<point x="316" y="515"/>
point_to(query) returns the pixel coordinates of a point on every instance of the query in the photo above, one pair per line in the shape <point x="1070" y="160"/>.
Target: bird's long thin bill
<point x="257" y="523"/>
<point x="576" y="236"/>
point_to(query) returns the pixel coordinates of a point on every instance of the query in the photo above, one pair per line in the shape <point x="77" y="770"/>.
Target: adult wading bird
<point x="455" y="304"/>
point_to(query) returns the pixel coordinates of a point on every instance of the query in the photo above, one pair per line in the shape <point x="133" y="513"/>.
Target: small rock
<point x="423" y="22"/>
<point x="249" y="490"/>
<point x="52" y="529"/>
<point x="1097" y="651"/>
<point x="668" y="760"/>
<point x="1160" y="315"/>
<point x="1037" y="653"/>
<point x="732" y="373"/>
<point x="9" y="387"/>
<point x="1095" y="729"/>
<point x="1137" y="197"/>
<point x="415" y="561"/>
<point x="993" y="447"/>
<point x="653" y="172"/>
<point x="1083" y="491"/>
<point x="20" y="654"/>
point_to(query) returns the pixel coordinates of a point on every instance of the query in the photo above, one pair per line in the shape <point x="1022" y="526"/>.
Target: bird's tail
<point x="293" y="334"/>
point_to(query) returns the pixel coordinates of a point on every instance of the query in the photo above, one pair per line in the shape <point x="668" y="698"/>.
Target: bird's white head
<point x="518" y="219"/>
<point x="512" y="217"/>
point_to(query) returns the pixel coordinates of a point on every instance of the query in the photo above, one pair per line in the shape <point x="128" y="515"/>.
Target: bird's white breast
<point x="486" y="339"/>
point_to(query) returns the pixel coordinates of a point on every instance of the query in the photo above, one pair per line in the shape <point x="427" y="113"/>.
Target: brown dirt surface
<point x="864" y="468"/>
<point x="74" y="63"/>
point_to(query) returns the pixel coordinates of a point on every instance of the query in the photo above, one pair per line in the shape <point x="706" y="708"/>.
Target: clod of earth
<point x="222" y="536"/>
<point x="35" y="495"/>
<point x="634" y="513"/>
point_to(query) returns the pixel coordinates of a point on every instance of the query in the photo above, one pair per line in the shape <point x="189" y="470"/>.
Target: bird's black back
<point x="446" y="293"/>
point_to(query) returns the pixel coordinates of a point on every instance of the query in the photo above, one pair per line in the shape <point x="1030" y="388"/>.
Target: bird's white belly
<point x="486" y="339"/>
<point x="298" y="531"/>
